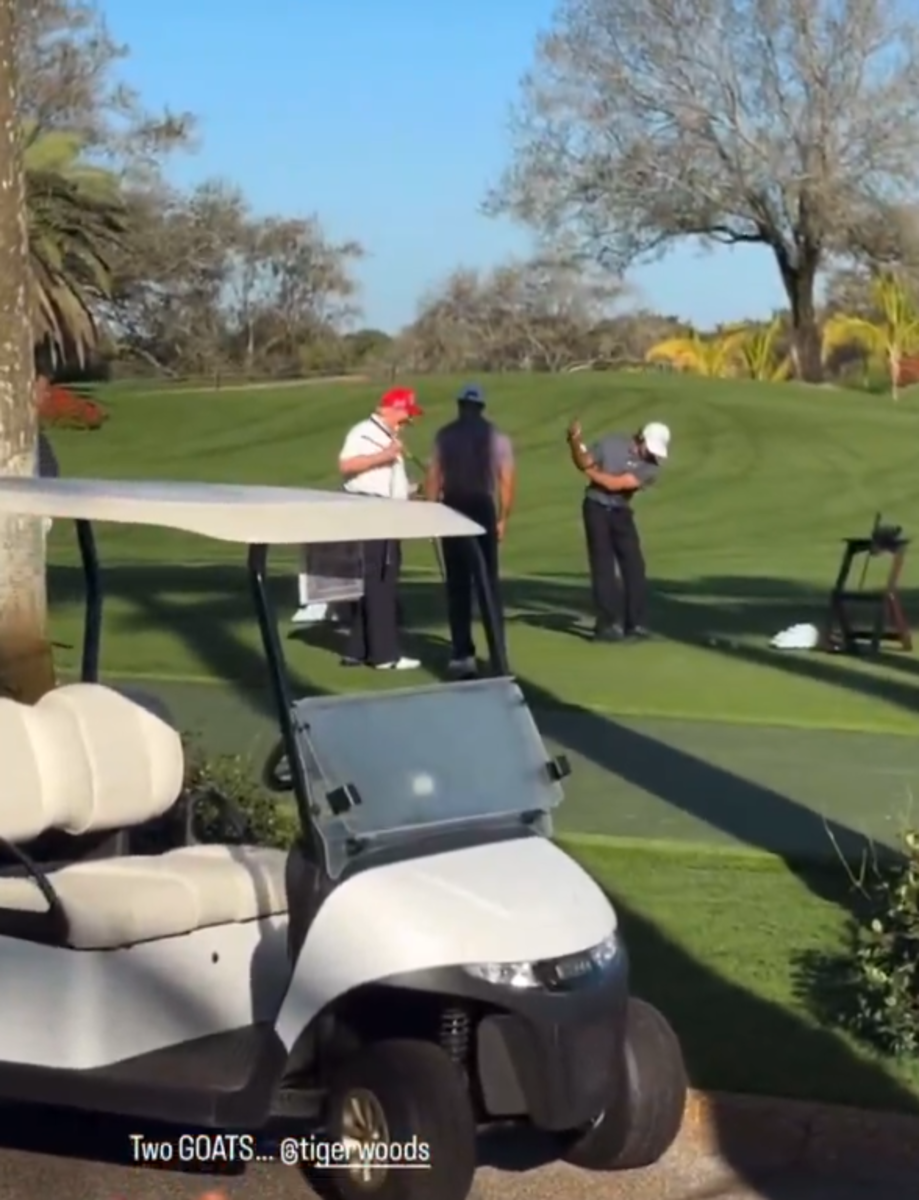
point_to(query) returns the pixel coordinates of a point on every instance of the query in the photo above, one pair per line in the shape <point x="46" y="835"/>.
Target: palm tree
<point x="59" y="221"/>
<point x="26" y="666"/>
<point x="756" y="350"/>
<point x="709" y="356"/>
<point x="894" y="334"/>
<point x="76" y="222"/>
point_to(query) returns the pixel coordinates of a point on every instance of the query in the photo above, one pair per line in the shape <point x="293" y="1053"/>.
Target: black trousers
<point x="617" y="566"/>
<point x="459" y="570"/>
<point x="374" y="633"/>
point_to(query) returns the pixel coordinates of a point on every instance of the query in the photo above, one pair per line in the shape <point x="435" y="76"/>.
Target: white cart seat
<point x="118" y="902"/>
<point x="87" y="758"/>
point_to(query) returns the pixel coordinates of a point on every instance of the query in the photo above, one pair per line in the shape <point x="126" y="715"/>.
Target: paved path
<point x="26" y="1174"/>
<point x="57" y="1152"/>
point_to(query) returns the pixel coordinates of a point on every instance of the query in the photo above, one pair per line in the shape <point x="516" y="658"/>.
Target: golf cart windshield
<point x="260" y="518"/>
<point x="415" y="761"/>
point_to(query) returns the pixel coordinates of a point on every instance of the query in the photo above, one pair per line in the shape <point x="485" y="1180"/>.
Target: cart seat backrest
<point x="84" y="759"/>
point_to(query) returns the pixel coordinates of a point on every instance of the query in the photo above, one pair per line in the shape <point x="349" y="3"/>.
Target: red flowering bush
<point x="63" y="409"/>
<point x="908" y="373"/>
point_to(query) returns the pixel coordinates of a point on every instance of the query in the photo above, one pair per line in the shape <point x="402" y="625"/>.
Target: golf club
<point x="435" y="542"/>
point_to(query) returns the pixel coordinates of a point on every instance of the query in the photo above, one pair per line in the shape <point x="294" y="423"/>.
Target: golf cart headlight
<point x="604" y="952"/>
<point x="550" y="972"/>
<point x="514" y="975"/>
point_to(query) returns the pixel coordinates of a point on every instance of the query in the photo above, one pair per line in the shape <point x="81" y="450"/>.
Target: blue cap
<point x="471" y="394"/>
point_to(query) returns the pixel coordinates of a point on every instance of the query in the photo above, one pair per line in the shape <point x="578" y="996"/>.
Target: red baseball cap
<point x="401" y="400"/>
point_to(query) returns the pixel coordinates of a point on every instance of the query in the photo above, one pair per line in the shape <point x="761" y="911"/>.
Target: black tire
<point x="423" y="1096"/>
<point x="643" y="1124"/>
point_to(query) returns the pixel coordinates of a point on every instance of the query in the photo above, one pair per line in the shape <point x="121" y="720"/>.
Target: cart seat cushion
<point x="112" y="903"/>
<point x="85" y="758"/>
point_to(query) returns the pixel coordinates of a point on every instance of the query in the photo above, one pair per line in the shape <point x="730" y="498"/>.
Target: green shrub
<point x="875" y="381"/>
<point x="223" y="800"/>
<point x="886" y="953"/>
<point x="872" y="988"/>
<point x="271" y="818"/>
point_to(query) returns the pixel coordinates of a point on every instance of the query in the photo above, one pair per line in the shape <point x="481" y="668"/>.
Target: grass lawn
<point x="742" y="537"/>
<point x="717" y="939"/>
<point x="742" y="534"/>
<point x="704" y="734"/>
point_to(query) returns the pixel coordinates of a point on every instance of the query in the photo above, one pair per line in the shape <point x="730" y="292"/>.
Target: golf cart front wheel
<point x="400" y="1113"/>
<point x="642" y="1124"/>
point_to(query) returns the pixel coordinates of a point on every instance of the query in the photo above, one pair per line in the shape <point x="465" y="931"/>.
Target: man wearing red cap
<point x="372" y="463"/>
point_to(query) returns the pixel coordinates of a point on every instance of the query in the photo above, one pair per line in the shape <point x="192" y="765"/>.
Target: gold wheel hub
<point x="365" y="1136"/>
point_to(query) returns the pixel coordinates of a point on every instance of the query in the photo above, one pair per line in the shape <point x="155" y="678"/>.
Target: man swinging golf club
<point x="617" y="467"/>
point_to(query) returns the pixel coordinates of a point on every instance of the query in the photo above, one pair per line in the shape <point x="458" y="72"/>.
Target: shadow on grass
<point x="725" y="1028"/>
<point x="825" y="983"/>
<point x="205" y="606"/>
<point x="726" y="616"/>
<point x="730" y="1034"/>
<point x="735" y="618"/>
<point x="749" y="812"/>
<point x="716" y="611"/>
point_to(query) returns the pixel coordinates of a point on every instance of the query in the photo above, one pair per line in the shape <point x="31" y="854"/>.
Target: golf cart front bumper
<point x="558" y="1059"/>
<point x="555" y="1058"/>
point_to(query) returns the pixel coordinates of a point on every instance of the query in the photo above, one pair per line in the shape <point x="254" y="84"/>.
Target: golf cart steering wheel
<point x="276" y="771"/>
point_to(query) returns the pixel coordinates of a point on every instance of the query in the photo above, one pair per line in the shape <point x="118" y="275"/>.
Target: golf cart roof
<point x="274" y="516"/>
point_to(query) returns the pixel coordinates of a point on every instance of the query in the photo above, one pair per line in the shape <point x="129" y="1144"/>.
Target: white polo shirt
<point x="370" y="437"/>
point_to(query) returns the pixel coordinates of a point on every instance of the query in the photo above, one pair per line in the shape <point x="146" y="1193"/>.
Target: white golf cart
<point x="423" y="963"/>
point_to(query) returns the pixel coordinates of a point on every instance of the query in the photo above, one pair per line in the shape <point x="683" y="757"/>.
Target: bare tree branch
<point x="788" y="123"/>
<point x="67" y="59"/>
<point x="203" y="285"/>
<point x="537" y="315"/>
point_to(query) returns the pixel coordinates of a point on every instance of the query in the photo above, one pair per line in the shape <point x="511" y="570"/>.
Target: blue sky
<point x="387" y="118"/>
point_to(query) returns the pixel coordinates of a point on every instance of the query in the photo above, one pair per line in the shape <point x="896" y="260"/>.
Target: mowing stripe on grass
<point x="724" y="854"/>
<point x="713" y="854"/>
<point x="628" y="712"/>
<point x="742" y="539"/>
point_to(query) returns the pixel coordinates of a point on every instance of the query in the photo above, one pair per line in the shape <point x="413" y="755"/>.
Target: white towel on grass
<point x="797" y="637"/>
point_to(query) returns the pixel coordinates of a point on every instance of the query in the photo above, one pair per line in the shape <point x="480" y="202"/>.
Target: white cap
<point x="657" y="438"/>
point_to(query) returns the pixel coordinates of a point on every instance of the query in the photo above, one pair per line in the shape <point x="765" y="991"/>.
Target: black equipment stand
<point x="879" y="609"/>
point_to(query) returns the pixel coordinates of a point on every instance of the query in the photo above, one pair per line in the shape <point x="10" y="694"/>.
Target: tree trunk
<point x="800" y="280"/>
<point x="894" y="368"/>
<point x="26" y="663"/>
<point x="250" y="347"/>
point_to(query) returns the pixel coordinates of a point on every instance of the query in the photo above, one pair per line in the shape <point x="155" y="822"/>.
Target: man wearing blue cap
<point x="472" y="470"/>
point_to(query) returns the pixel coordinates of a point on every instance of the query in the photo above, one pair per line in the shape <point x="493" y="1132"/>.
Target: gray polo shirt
<point x="616" y="455"/>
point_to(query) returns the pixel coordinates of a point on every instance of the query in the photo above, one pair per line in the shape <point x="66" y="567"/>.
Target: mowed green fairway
<point x="680" y="740"/>
<point x="742" y="538"/>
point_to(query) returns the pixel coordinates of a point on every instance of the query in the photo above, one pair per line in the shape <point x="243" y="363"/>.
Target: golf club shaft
<point x="435" y="542"/>
<point x="439" y="555"/>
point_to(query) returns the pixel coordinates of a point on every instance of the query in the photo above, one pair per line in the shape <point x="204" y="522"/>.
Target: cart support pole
<point x="277" y="676"/>
<point x="439" y="557"/>
<point x="488" y="608"/>
<point x="92" y="616"/>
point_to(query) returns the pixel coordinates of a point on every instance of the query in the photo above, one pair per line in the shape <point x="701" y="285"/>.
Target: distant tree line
<point x="793" y="129"/>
